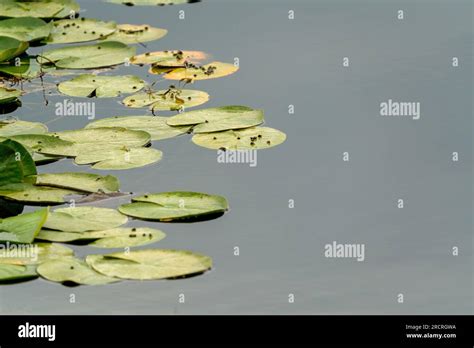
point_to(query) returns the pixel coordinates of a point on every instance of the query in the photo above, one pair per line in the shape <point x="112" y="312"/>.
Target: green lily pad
<point x="31" y="194"/>
<point x="80" y="30"/>
<point x="14" y="273"/>
<point x="175" y="206"/>
<point x="12" y="127"/>
<point x="254" y="138"/>
<point x="218" y="119"/>
<point x="38" y="8"/>
<point x="11" y="48"/>
<point x="156" y="126"/>
<point x="99" y="55"/>
<point x="28" y="68"/>
<point x="209" y="71"/>
<point x="82" y="219"/>
<point x="25" y="28"/>
<point x="88" y="85"/>
<point x="114" y="238"/>
<point x="120" y="158"/>
<point x="22" y="157"/>
<point x="41" y="159"/>
<point x="131" y="34"/>
<point x="46" y="144"/>
<point x="72" y="270"/>
<point x="22" y="228"/>
<point x="33" y="254"/>
<point x="79" y="181"/>
<point x="170" y="99"/>
<point x="169" y="59"/>
<point x="12" y="165"/>
<point x="8" y="95"/>
<point x="150" y="2"/>
<point x="150" y="264"/>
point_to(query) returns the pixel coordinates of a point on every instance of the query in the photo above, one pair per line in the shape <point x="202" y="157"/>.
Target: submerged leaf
<point x="175" y="206"/>
<point x="88" y="85"/>
<point x="156" y="126"/>
<point x="79" y="181"/>
<point x="120" y="158"/>
<point x="82" y="219"/>
<point x="10" y="273"/>
<point x="218" y="119"/>
<point x="209" y="71"/>
<point x="167" y="59"/>
<point x="131" y="34"/>
<point x="171" y="99"/>
<point x="33" y="254"/>
<point x="79" y="30"/>
<point x="25" y="28"/>
<point x="22" y="228"/>
<point x="99" y="55"/>
<point x="72" y="270"/>
<point x="150" y="264"/>
<point x="254" y="138"/>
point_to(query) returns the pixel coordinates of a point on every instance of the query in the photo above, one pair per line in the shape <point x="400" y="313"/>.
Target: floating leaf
<point x="22" y="228"/>
<point x="131" y="34"/>
<point x="41" y="159"/>
<point x="169" y="59"/>
<point x="33" y="254"/>
<point x="38" y="8"/>
<point x="150" y="2"/>
<point x="11" y="273"/>
<point x="28" y="193"/>
<point x="170" y="99"/>
<point x="156" y="126"/>
<point x="81" y="219"/>
<point x="113" y="238"/>
<point x="218" y="119"/>
<point x="11" y="48"/>
<point x="46" y="144"/>
<point x="16" y="127"/>
<point x="88" y="85"/>
<point x="79" y="30"/>
<point x="254" y="138"/>
<point x="172" y="206"/>
<point x="209" y="71"/>
<point x="10" y="169"/>
<point x="8" y="95"/>
<point x="120" y="158"/>
<point x="28" y="68"/>
<point x="150" y="264"/>
<point x="72" y="270"/>
<point x="79" y="181"/>
<point x="25" y="28"/>
<point x="88" y="56"/>
<point x="22" y="157"/>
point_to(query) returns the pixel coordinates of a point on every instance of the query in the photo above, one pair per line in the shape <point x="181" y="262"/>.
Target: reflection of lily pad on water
<point x="88" y="85"/>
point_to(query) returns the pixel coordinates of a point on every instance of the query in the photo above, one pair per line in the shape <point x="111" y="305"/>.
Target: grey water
<point x="299" y="62"/>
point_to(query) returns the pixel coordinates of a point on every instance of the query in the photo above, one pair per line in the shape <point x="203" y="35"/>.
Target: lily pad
<point x="79" y="181"/>
<point x="88" y="85"/>
<point x="41" y="159"/>
<point x="11" y="48"/>
<point x="120" y="158"/>
<point x="114" y="238"/>
<point x="31" y="194"/>
<point x="38" y="8"/>
<point x="175" y="206"/>
<point x="80" y="30"/>
<point x="131" y="34"/>
<point x="8" y="95"/>
<point x="170" y="99"/>
<point x="150" y="2"/>
<point x="33" y="254"/>
<point x="22" y="228"/>
<point x="14" y="273"/>
<point x="169" y="59"/>
<point x="209" y="71"/>
<point x="22" y="157"/>
<point x="218" y="119"/>
<point x="150" y="264"/>
<point x="25" y="28"/>
<point x="82" y="219"/>
<point x="99" y="55"/>
<point x="28" y="68"/>
<point x="72" y="270"/>
<point x="12" y="126"/>
<point x="156" y="126"/>
<point x="46" y="144"/>
<point x="254" y="138"/>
